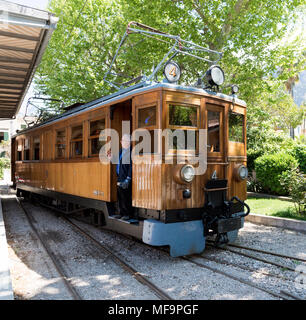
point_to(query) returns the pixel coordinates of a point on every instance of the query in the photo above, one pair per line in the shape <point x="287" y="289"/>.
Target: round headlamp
<point x="187" y="173"/>
<point x="242" y="172"/>
<point x="235" y="89"/>
<point x="215" y="76"/>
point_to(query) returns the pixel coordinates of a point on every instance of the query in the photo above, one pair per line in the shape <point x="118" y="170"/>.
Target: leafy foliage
<point x="295" y="182"/>
<point x="281" y="109"/>
<point x="299" y="152"/>
<point x="252" y="155"/>
<point x="270" y="168"/>
<point x="263" y="139"/>
<point x="249" y="33"/>
<point x="5" y="163"/>
<point x="253" y="185"/>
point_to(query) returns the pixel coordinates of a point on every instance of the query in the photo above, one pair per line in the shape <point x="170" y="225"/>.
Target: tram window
<point x="26" y="149"/>
<point x="60" y="147"/>
<point x="19" y="150"/>
<point x="36" y="145"/>
<point x="19" y="155"/>
<point x="183" y="116"/>
<point x="76" y="141"/>
<point x="213" y="131"/>
<point x="154" y="147"/>
<point x="94" y="143"/>
<point x="183" y="140"/>
<point x="236" y="124"/>
<point x="146" y="117"/>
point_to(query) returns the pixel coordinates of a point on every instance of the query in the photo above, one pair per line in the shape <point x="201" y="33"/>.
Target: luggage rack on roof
<point x="177" y="46"/>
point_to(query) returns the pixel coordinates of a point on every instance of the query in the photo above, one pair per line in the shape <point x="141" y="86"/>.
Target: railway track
<point x="160" y="293"/>
<point x="73" y="292"/>
<point x="279" y="265"/>
<point x="231" y="276"/>
<point x="127" y="267"/>
<point x="283" y="294"/>
<point x="224" y="262"/>
<point x="266" y="252"/>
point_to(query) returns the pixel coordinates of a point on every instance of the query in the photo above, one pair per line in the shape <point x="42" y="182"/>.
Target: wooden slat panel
<point x="236" y="148"/>
<point x="85" y="179"/>
<point x="146" y="188"/>
<point x="47" y="145"/>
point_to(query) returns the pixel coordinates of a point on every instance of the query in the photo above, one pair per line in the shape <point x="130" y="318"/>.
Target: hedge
<point x="252" y="155"/>
<point x="299" y="153"/>
<point x="270" y="168"/>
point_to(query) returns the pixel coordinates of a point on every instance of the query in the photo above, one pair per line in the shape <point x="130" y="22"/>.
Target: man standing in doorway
<point x="124" y="178"/>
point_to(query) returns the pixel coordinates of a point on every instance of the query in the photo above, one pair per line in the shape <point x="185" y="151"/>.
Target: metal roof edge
<point x="24" y="10"/>
<point x="115" y="96"/>
<point x="46" y="37"/>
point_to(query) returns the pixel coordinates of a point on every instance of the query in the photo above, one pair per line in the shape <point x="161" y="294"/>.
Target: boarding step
<point x="130" y="221"/>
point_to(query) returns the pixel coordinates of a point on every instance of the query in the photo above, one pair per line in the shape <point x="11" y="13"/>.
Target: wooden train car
<point x="59" y="159"/>
<point x="58" y="163"/>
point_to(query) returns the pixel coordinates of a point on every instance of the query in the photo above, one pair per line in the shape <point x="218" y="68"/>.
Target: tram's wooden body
<point x="52" y="159"/>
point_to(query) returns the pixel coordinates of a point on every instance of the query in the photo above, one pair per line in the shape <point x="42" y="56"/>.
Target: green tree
<point x="281" y="108"/>
<point x="295" y="182"/>
<point x="80" y="49"/>
<point x="248" y="32"/>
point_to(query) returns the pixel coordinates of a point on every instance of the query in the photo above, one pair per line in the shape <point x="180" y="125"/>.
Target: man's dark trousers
<point x="125" y="201"/>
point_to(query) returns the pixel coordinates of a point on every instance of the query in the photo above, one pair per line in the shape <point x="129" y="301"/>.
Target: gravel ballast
<point x="96" y="276"/>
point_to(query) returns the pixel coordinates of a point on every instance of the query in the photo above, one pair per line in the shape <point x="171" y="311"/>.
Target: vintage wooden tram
<point x="57" y="162"/>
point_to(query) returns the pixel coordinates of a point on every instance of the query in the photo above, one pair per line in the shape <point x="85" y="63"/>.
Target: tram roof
<point x="24" y="36"/>
<point x="125" y="93"/>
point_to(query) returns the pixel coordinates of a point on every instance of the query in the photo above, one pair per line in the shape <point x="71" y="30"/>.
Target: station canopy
<point x="24" y="36"/>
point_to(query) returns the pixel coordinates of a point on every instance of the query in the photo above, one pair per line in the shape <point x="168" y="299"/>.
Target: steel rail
<point x="256" y="258"/>
<point x="246" y="282"/>
<point x="139" y="277"/>
<point x="165" y="296"/>
<point x="249" y="283"/>
<point x="267" y="252"/>
<point x="220" y="261"/>
<point x="291" y="295"/>
<point x="57" y="265"/>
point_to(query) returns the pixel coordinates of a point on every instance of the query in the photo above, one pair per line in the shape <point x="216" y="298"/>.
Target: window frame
<point x="21" y="151"/>
<point x="149" y="128"/>
<point x="33" y="149"/>
<point x="152" y="127"/>
<point x="28" y="149"/>
<point x="171" y="126"/>
<point x="243" y="127"/>
<point x="175" y="127"/>
<point x="90" y="138"/>
<point x="71" y="141"/>
<point x="216" y="108"/>
<point x="56" y="144"/>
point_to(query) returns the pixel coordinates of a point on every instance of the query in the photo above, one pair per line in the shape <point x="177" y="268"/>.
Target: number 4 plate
<point x="172" y="71"/>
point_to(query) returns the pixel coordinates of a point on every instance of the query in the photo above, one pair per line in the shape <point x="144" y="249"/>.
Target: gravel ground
<point x="98" y="277"/>
<point x="32" y="272"/>
<point x="89" y="270"/>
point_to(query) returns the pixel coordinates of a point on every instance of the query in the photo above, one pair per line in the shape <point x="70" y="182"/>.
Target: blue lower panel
<point x="184" y="238"/>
